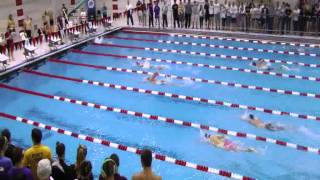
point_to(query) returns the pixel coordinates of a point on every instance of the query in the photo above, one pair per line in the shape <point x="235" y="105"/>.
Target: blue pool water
<point x="271" y="161"/>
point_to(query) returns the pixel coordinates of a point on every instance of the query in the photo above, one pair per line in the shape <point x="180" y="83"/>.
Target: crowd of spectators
<point x="267" y="16"/>
<point x="36" y="162"/>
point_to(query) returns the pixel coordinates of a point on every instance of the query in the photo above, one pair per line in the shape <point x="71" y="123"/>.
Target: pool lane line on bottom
<point x="215" y="102"/>
<point x="290" y="76"/>
<point x="216" y="82"/>
<point x="179" y="122"/>
<point x="196" y="36"/>
<point x="127" y="148"/>
<point x="210" y="55"/>
<point x="218" y="46"/>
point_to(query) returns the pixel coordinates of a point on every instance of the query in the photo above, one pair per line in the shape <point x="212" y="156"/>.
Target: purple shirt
<point x="157" y="11"/>
<point x="150" y="6"/>
<point x="5" y="166"/>
<point x="26" y="172"/>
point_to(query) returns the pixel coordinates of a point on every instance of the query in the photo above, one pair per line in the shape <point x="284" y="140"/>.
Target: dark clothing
<point x="187" y="20"/>
<point x="60" y="170"/>
<point x="117" y="176"/>
<point x="11" y="147"/>
<point x="164" y="20"/>
<point x="5" y="166"/>
<point x="150" y="7"/>
<point x="206" y="12"/>
<point x="175" y="15"/>
<point x="25" y="173"/>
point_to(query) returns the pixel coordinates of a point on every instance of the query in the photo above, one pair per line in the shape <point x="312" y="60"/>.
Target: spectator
<point x="157" y="14"/>
<point x="233" y="14"/>
<point x="270" y="17"/>
<point x="216" y="12"/>
<point x="10" y="43"/>
<point x="116" y="159"/>
<point x="146" y="161"/>
<point x="109" y="169"/>
<point x="295" y="19"/>
<point x="36" y="153"/>
<point x="188" y="13"/>
<point x="175" y="13"/>
<point x="9" y="152"/>
<point x="144" y="13"/>
<point x="195" y="15"/>
<point x="83" y="16"/>
<point x="211" y="15"/>
<point x="81" y="156"/>
<point x="60" y="170"/>
<point x="104" y="11"/>
<point x="247" y="17"/>
<point x="264" y="16"/>
<point x="44" y="169"/>
<point x="201" y="15"/>
<point x="164" y="10"/>
<point x="207" y="13"/>
<point x="223" y="14"/>
<point x="27" y="24"/>
<point x="139" y="10"/>
<point x="150" y="8"/>
<point x="255" y="17"/>
<point x="64" y="10"/>
<point x="129" y="11"/>
<point x="11" y="24"/>
<point x="5" y="163"/>
<point x="85" y="171"/>
<point x="181" y="13"/>
<point x="19" y="172"/>
<point x="287" y="19"/>
<point x="51" y="20"/>
<point x="228" y="15"/>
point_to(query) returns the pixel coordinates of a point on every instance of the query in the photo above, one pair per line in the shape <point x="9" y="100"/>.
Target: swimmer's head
<point x="251" y="116"/>
<point x="206" y="135"/>
<point x="254" y="63"/>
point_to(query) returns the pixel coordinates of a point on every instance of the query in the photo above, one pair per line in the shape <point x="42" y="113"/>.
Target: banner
<point x="91" y="6"/>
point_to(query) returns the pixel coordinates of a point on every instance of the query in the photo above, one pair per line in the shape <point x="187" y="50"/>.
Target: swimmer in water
<point x="147" y="65"/>
<point x="221" y="141"/>
<point x="153" y="79"/>
<point x="255" y="121"/>
<point x="262" y="65"/>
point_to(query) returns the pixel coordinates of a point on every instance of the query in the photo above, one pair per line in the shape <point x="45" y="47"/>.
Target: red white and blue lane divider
<point x="216" y="82"/>
<point x="161" y="118"/>
<point x="218" y="46"/>
<point x="121" y="147"/>
<point x="255" y="41"/>
<point x="222" y="56"/>
<point x="291" y="76"/>
<point x="213" y="102"/>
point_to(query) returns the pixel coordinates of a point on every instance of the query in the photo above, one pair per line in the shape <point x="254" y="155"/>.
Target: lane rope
<point x="211" y="55"/>
<point x="215" y="102"/>
<point x="160" y="118"/>
<point x="290" y="76"/>
<point x="219" y="46"/>
<point x="200" y="80"/>
<point x="127" y="148"/>
<point x="255" y="41"/>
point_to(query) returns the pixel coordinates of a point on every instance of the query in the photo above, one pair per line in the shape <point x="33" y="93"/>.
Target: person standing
<point x="295" y="19"/>
<point x="139" y="11"/>
<point x="146" y="162"/>
<point x="129" y="13"/>
<point x="287" y="18"/>
<point x="216" y="12"/>
<point x="211" y="15"/>
<point x="201" y="15"/>
<point x="233" y="14"/>
<point x="157" y="14"/>
<point x="150" y="8"/>
<point x="248" y="17"/>
<point x="144" y="13"/>
<point x="175" y="14"/>
<point x="195" y="15"/>
<point x="27" y="24"/>
<point x="188" y="13"/>
<point x="223" y="15"/>
<point x="181" y="13"/>
<point x="164" y="11"/>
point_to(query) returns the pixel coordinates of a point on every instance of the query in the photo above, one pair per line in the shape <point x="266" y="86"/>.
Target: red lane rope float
<point x="255" y="41"/>
<point x="215" y="102"/>
<point x="211" y="81"/>
<point x="127" y="148"/>
<point x="219" y="46"/>
<point x="308" y="78"/>
<point x="222" y="56"/>
<point x="156" y="117"/>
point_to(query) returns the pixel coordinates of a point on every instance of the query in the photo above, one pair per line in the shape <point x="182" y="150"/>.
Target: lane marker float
<point x="161" y="118"/>
<point x="291" y="76"/>
<point x="218" y="46"/>
<point x="127" y="148"/>
<point x="255" y="41"/>
<point x="222" y="56"/>
<point x="216" y="82"/>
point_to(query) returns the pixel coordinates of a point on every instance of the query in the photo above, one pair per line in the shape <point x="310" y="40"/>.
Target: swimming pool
<point x="98" y="90"/>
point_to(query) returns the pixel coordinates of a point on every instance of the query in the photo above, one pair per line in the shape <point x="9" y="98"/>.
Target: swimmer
<point x="153" y="79"/>
<point x="260" y="124"/>
<point x="147" y="65"/>
<point x="262" y="65"/>
<point x="221" y="141"/>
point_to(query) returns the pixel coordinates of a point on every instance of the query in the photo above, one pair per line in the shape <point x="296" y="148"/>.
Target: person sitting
<point x="109" y="169"/>
<point x="221" y="141"/>
<point x="5" y="163"/>
<point x="255" y="121"/>
<point x="36" y="153"/>
<point x="6" y="133"/>
<point x="60" y="170"/>
<point x="44" y="170"/>
<point x="85" y="171"/>
<point x="147" y="173"/>
<point x="19" y="171"/>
